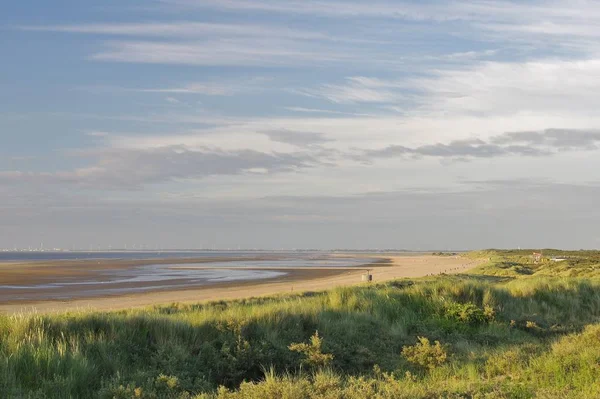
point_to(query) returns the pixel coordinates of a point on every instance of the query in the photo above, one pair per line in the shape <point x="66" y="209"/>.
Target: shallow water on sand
<point x="153" y="277"/>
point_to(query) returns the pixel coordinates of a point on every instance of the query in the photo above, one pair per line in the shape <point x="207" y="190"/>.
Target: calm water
<point x="33" y="256"/>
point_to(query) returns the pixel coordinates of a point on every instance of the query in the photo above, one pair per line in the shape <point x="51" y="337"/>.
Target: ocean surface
<point x="12" y="256"/>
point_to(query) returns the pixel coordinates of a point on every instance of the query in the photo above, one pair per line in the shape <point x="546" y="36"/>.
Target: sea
<point x="21" y="256"/>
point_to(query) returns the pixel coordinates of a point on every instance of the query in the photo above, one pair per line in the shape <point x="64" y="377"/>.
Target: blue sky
<point x="299" y="124"/>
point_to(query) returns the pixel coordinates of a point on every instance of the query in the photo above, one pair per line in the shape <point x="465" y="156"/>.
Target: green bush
<point x="426" y="355"/>
<point x="469" y="313"/>
<point x="312" y="352"/>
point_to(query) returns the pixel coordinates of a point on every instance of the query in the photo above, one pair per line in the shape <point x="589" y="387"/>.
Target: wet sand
<point x="19" y="273"/>
<point x="297" y="279"/>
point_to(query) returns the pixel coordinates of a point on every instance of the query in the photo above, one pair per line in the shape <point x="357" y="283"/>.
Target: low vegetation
<point x="426" y="355"/>
<point x="512" y="328"/>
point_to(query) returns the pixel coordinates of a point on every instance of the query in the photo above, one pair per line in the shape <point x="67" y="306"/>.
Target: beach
<point x="134" y="293"/>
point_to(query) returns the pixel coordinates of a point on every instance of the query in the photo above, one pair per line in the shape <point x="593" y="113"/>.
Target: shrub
<point x="313" y="355"/>
<point x="163" y="386"/>
<point x="469" y="313"/>
<point x="426" y="355"/>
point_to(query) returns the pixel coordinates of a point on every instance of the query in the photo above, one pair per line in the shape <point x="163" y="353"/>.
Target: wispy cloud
<point x="215" y="88"/>
<point x="322" y="111"/>
<point x="569" y="25"/>
<point x="488" y="88"/>
<point x="478" y="10"/>
<point x="301" y="139"/>
<point x="96" y="134"/>
<point x="183" y="29"/>
<point x="402" y="10"/>
<point x="543" y="143"/>
<point x="523" y="22"/>
<point x="172" y="100"/>
<point x="512" y="87"/>
<point x="131" y="168"/>
<point x="357" y="89"/>
<point x="557" y="139"/>
<point x="247" y="52"/>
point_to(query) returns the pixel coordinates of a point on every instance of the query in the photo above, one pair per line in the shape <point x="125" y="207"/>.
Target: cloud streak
<point x="557" y="13"/>
<point x="130" y="168"/>
<point x="544" y="143"/>
<point x="357" y="89"/>
<point x="301" y="139"/>
<point x="182" y="29"/>
<point x="213" y="88"/>
<point x="241" y="51"/>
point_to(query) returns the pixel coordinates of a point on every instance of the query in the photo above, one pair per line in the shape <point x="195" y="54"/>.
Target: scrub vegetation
<point x="511" y="328"/>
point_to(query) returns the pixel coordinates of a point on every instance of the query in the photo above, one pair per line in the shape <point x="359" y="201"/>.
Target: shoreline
<point x="298" y="279"/>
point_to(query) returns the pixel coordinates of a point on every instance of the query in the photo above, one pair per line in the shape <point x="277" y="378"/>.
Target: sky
<point x="281" y="124"/>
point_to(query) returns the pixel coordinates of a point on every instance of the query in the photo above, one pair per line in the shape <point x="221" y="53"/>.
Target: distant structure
<point x="537" y="257"/>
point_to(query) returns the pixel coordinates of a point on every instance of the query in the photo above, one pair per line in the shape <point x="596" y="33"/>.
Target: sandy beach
<point x="300" y="279"/>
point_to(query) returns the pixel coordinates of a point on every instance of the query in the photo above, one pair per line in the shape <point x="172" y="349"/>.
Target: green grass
<point x="502" y="334"/>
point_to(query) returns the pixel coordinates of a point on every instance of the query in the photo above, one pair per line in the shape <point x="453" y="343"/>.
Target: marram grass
<point x="500" y="335"/>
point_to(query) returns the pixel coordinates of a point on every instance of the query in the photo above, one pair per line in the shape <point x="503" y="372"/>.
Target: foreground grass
<point x="501" y="335"/>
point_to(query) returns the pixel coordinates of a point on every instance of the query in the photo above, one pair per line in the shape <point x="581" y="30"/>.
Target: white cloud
<point x="494" y="88"/>
<point x="486" y="89"/>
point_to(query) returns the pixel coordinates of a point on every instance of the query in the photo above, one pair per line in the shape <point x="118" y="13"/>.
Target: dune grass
<point x="486" y="334"/>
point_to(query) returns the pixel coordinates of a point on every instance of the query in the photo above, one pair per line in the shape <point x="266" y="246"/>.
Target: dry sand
<point x="299" y="280"/>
